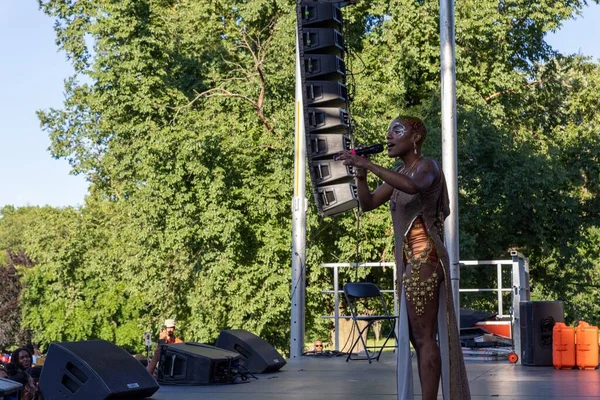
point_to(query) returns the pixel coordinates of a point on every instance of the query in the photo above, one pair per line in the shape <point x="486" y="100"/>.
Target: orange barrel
<point x="563" y="346"/>
<point x="586" y="337"/>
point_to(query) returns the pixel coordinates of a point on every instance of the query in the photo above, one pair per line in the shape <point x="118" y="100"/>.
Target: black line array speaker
<point x="94" y="370"/>
<point x="537" y="321"/>
<point x="196" y="364"/>
<point x="256" y="355"/>
<point x="327" y="123"/>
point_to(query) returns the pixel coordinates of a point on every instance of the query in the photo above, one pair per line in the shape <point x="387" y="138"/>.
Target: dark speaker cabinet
<point x="256" y="355"/>
<point x="537" y="321"/>
<point x="10" y="389"/>
<point x="192" y="363"/>
<point x="94" y="370"/>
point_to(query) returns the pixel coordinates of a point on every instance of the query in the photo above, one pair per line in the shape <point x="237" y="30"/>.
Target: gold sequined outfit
<point x="419" y="249"/>
<point x="432" y="207"/>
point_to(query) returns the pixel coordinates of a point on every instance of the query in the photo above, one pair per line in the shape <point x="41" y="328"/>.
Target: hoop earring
<point x="415" y="147"/>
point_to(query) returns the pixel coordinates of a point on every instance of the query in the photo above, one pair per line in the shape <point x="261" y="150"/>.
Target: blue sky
<point x="33" y="72"/>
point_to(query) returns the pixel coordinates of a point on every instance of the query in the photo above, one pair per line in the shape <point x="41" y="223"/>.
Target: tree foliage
<point x="180" y="114"/>
<point x="10" y="312"/>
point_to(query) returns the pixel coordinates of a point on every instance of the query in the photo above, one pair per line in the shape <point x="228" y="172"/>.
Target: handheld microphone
<point x="364" y="151"/>
<point x="372" y="149"/>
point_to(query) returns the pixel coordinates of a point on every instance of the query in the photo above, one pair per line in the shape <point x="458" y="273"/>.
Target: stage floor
<point x="316" y="378"/>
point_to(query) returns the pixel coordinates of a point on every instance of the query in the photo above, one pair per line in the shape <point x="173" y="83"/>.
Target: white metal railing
<point x="499" y="289"/>
<point x="519" y="289"/>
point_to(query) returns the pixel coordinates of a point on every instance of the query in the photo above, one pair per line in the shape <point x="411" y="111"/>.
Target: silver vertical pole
<point x="499" y="286"/>
<point x="396" y="303"/>
<point x="449" y="140"/>
<point x="298" y="222"/>
<point x="336" y="308"/>
<point x="519" y="294"/>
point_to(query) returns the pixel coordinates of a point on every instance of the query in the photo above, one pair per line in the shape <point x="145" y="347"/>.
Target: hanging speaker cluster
<point x="326" y="104"/>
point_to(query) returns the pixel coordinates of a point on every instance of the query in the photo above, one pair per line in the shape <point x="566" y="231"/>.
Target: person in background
<point x="35" y="373"/>
<point x="3" y="371"/>
<point x="317" y="346"/>
<point x="167" y="336"/>
<point x="36" y="351"/>
<point x="29" y="389"/>
<point x="21" y="358"/>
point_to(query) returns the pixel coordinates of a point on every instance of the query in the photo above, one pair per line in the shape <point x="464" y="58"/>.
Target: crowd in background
<point x="24" y="365"/>
<point x="19" y="367"/>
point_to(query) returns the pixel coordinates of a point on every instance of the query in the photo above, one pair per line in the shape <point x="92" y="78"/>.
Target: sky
<point x="33" y="71"/>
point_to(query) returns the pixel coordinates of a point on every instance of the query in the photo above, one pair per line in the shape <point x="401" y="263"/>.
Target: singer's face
<point x="398" y="138"/>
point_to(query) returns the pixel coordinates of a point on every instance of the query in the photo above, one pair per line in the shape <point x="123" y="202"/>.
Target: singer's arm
<point x="371" y="200"/>
<point x="425" y="175"/>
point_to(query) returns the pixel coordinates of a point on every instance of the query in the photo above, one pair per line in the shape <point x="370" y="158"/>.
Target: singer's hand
<point x="353" y="160"/>
<point x="358" y="162"/>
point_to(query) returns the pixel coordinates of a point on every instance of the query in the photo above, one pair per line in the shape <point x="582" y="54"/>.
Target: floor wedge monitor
<point x="256" y="355"/>
<point x="192" y="363"/>
<point x="94" y="370"/>
<point x="10" y="390"/>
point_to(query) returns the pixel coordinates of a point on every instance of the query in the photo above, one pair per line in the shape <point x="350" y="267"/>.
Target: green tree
<point x="183" y="125"/>
<point x="13" y="262"/>
<point x="11" y="332"/>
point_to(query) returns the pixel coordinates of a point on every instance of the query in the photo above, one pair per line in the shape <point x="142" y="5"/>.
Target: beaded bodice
<point x="432" y="206"/>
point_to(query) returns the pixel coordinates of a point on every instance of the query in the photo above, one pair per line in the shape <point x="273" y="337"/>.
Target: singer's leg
<point x="423" y="330"/>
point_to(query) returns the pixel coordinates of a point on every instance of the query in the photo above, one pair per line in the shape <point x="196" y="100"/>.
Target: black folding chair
<point x="360" y="292"/>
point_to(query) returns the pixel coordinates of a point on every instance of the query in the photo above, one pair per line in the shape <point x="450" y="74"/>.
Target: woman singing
<point x="418" y="201"/>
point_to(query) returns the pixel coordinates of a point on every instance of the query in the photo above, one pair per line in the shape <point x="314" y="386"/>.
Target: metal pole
<point x="336" y="306"/>
<point x="449" y="140"/>
<point x="499" y="286"/>
<point x="396" y="302"/>
<point x="298" y="222"/>
<point x="518" y="297"/>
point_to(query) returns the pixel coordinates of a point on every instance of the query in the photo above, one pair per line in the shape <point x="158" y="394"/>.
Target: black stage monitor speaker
<point x="537" y="320"/>
<point x="196" y="364"/>
<point x="257" y="355"/>
<point x="94" y="370"/>
<point x="10" y="390"/>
